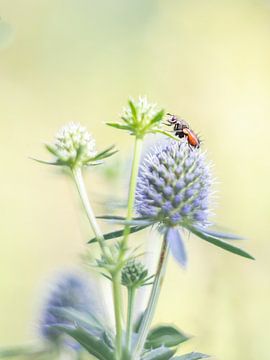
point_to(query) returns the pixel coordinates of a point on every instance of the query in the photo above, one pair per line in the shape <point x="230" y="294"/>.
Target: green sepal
<point x="119" y="126"/>
<point x="104" y="154"/>
<point x="191" y="356"/>
<point x="161" y="353"/>
<point x="218" y="234"/>
<point x="216" y="241"/>
<point x="163" y="132"/>
<point x="93" y="344"/>
<point x="133" y="110"/>
<point x="54" y="163"/>
<point x="52" y="150"/>
<point x="122" y="221"/>
<point x="119" y="233"/>
<point x="166" y="335"/>
<point x="156" y="119"/>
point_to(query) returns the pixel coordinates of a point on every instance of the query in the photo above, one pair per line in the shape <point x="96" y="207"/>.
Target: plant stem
<point x="116" y="277"/>
<point x="77" y="175"/>
<point x="132" y="190"/>
<point x="117" y="300"/>
<point x="152" y="303"/>
<point x="130" y="313"/>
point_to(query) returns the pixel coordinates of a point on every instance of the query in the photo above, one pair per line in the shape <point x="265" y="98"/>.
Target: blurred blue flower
<point x="70" y="292"/>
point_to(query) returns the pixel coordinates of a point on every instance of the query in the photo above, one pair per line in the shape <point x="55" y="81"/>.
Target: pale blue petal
<point x="176" y="246"/>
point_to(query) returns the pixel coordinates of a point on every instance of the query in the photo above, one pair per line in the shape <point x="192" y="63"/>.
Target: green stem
<point x="77" y="175"/>
<point x="132" y="190"/>
<point x="116" y="278"/>
<point x="117" y="300"/>
<point x="152" y="303"/>
<point x="130" y="314"/>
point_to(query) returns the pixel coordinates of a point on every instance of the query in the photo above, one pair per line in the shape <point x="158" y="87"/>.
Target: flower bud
<point x="134" y="274"/>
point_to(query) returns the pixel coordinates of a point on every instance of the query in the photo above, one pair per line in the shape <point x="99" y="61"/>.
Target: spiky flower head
<point x="134" y="274"/>
<point x="173" y="189"/>
<point x="174" y="185"/>
<point x="140" y="117"/>
<point x="75" y="147"/>
<point x="69" y="292"/>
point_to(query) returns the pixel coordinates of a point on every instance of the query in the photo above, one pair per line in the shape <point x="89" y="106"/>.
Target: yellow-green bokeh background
<point x="208" y="61"/>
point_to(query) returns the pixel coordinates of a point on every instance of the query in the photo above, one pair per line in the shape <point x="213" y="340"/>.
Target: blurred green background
<point x="208" y="61"/>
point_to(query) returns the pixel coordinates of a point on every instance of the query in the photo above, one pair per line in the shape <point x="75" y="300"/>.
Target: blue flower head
<point x="69" y="292"/>
<point x="174" y="186"/>
<point x="173" y="190"/>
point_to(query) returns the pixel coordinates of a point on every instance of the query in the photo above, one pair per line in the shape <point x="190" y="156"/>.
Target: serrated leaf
<point x="93" y="344"/>
<point x="118" y="233"/>
<point x="161" y="353"/>
<point x="166" y="335"/>
<point x="216" y="241"/>
<point x="191" y="356"/>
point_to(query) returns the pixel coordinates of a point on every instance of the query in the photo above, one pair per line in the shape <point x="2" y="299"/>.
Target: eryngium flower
<point x="140" y="117"/>
<point x="173" y="189"/>
<point x="174" y="185"/>
<point x="134" y="274"/>
<point x="70" y="292"/>
<point x="74" y="143"/>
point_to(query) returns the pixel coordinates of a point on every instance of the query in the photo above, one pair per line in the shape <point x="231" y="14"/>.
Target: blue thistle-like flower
<point x="174" y="185"/>
<point x="173" y="190"/>
<point x="69" y="292"/>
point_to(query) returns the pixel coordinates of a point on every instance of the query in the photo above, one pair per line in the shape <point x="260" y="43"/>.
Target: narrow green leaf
<point x="157" y="118"/>
<point x="94" y="345"/>
<point x="161" y="353"/>
<point x="118" y="233"/>
<point x="167" y="335"/>
<point x="218" y="234"/>
<point x="119" y="126"/>
<point x="133" y="110"/>
<point x="55" y="163"/>
<point x="134" y="222"/>
<point x="51" y="149"/>
<point x="159" y="131"/>
<point x="105" y="153"/>
<point x="191" y="356"/>
<point x="216" y="241"/>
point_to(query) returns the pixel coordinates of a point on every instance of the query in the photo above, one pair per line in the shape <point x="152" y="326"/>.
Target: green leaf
<point x="52" y="149"/>
<point x="89" y="321"/>
<point x="105" y="154"/>
<point x="218" y="234"/>
<point x="133" y="110"/>
<point x="156" y="119"/>
<point x="119" y="233"/>
<point x="119" y="220"/>
<point x="165" y="335"/>
<point x="55" y="163"/>
<point x="93" y="344"/>
<point x="159" y="131"/>
<point x="161" y="353"/>
<point x="119" y="126"/>
<point x="216" y="241"/>
<point x="191" y="356"/>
